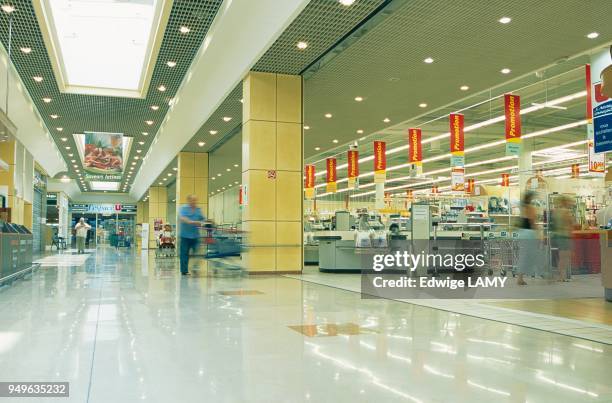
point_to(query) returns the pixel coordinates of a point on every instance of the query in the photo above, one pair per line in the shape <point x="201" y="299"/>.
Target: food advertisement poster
<point x="103" y="156"/>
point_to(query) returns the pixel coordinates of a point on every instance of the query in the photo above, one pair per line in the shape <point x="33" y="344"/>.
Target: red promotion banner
<point x="353" y="168"/>
<point x="589" y="97"/>
<point x="240" y="196"/>
<point x="331" y="175"/>
<point x="470" y="186"/>
<point x="575" y="171"/>
<point x="512" y="108"/>
<point x="457" y="137"/>
<point x="309" y="181"/>
<point x="380" y="161"/>
<point x="410" y="194"/>
<point x="434" y="189"/>
<point x="415" y="153"/>
<point x="505" y="180"/>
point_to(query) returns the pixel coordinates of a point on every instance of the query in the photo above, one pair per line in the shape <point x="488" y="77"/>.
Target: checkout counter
<point x="15" y="249"/>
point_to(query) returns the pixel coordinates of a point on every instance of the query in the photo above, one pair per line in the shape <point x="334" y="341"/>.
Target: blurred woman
<point x="561" y="225"/>
<point x="528" y="236"/>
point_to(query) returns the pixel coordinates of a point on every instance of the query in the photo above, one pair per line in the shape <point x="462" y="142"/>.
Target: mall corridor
<point x="125" y="327"/>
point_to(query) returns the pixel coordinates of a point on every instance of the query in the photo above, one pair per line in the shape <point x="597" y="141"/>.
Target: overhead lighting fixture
<point x="346" y="3"/>
<point x="359" y="131"/>
<point x="429" y="60"/>
<point x="201" y="144"/>
<point x="464" y="88"/>
<point x="73" y="161"/>
<point x="335" y="141"/>
<point x="358" y="99"/>
<point x="70" y="155"/>
<point x="141" y="142"/>
<point x="133" y="163"/>
<point x="226" y="118"/>
<point x="236" y="165"/>
<point x="54" y="116"/>
<point x="317" y="148"/>
<point x="170" y="63"/>
<point x="545" y="105"/>
<point x="67" y="147"/>
<point x="218" y="174"/>
<point x="306" y="127"/>
<point x="184" y="29"/>
<point x="8" y="8"/>
<point x="228" y="169"/>
<point x="302" y="45"/>
<point x="64" y="139"/>
<point x="136" y="157"/>
<point x="386" y="120"/>
<point x="138" y="151"/>
<point x="47" y="100"/>
<point x="505" y="70"/>
<point x="26" y="50"/>
<point x="241" y="100"/>
<point x="149" y="122"/>
<point x="38" y="79"/>
<point x="175" y="169"/>
<point x="165" y="179"/>
<point x="144" y="133"/>
<point x="423" y="105"/>
<point x="213" y="132"/>
<point x="161" y="88"/>
<point x="154" y="107"/>
<point x="328" y="115"/>
<point x="593" y="35"/>
<point x="59" y="129"/>
<point x="505" y="20"/>
<point x="169" y="173"/>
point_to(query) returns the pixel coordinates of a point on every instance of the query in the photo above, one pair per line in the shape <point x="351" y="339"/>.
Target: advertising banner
<point x="512" y="109"/>
<point x="380" y="162"/>
<point x="103" y="156"/>
<point x="309" y="181"/>
<point x="505" y="180"/>
<point x="415" y="149"/>
<point x="410" y="194"/>
<point x="353" y="169"/>
<point x="332" y="187"/>
<point x="597" y="161"/>
<point x="434" y="189"/>
<point x="458" y="179"/>
<point x="601" y="104"/>
<point x="575" y="171"/>
<point x="457" y="140"/>
<point x="469" y="188"/>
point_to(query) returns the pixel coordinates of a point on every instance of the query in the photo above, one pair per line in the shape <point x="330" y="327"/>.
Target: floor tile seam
<point x="451" y="311"/>
<point x="95" y="341"/>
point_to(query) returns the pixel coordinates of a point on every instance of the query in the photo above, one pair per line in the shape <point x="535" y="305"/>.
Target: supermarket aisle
<point x="122" y="328"/>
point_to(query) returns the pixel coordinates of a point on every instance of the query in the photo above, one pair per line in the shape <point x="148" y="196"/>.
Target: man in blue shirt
<point x="190" y="219"/>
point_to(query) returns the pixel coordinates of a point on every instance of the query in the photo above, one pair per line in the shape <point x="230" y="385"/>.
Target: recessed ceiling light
<point x="165" y="179"/>
<point x="160" y="183"/>
<point x="423" y="105"/>
<point x="306" y="127"/>
<point x="386" y="120"/>
<point x="213" y="132"/>
<point x="133" y="163"/>
<point x="149" y="122"/>
<point x="175" y="169"/>
<point x="26" y="50"/>
<point x="505" y="20"/>
<point x="70" y="155"/>
<point x="7" y="8"/>
<point x="226" y="118"/>
<point x="47" y="100"/>
<point x="241" y="100"/>
<point x="335" y="141"/>
<point x="184" y="29"/>
<point x="161" y="88"/>
<point x="346" y="2"/>
<point x="302" y="45"/>
<point x="154" y="107"/>
<point x="169" y="173"/>
<point x="141" y="142"/>
<point x="170" y="63"/>
<point x="77" y="171"/>
<point x="218" y="174"/>
<point x="201" y="144"/>
<point x="59" y="129"/>
<point x="67" y="147"/>
<point x="505" y="70"/>
<point x="54" y="116"/>
<point x="236" y="182"/>
<point x="428" y="60"/>
<point x="144" y="133"/>
<point x="359" y="131"/>
<point x="593" y="35"/>
<point x="317" y="148"/>
<point x="213" y="178"/>
<point x="138" y="151"/>
<point x="358" y="99"/>
<point x="228" y="169"/>
<point x="464" y="88"/>
<point x="64" y="139"/>
<point x="235" y="165"/>
<point x="75" y="165"/>
<point x="136" y="157"/>
<point x="328" y="115"/>
<point x="38" y="79"/>
<point x="73" y="161"/>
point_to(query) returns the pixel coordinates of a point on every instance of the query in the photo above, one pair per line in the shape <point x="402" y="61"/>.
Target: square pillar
<point x="192" y="178"/>
<point x="272" y="161"/>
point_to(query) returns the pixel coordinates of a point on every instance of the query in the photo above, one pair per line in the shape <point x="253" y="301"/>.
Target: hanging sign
<point x="457" y="140"/>
<point x="240" y="195"/>
<point x="469" y="188"/>
<point x="332" y="187"/>
<point x="458" y="179"/>
<point x="309" y="181"/>
<point x="575" y="171"/>
<point x="597" y="161"/>
<point x="512" y="109"/>
<point x="353" y="169"/>
<point x="601" y="112"/>
<point x="103" y="156"/>
<point x="380" y="162"/>
<point x="434" y="189"/>
<point x="505" y="180"/>
<point x="415" y="150"/>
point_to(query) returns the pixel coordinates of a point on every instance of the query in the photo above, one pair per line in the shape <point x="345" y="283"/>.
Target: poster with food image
<point x="103" y="156"/>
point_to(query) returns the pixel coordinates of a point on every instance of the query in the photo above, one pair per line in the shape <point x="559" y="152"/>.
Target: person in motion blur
<point x="190" y="221"/>
<point x="561" y="225"/>
<point x="81" y="229"/>
<point x="528" y="235"/>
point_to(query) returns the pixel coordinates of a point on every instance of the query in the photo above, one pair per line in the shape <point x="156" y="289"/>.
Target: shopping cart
<point x="502" y="252"/>
<point x="223" y="248"/>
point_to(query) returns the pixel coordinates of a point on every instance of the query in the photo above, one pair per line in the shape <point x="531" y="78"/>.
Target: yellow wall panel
<point x="289" y="146"/>
<point x="186" y="164"/>
<point x="200" y="165"/>
<point x="262" y="96"/>
<point x="289" y="98"/>
<point x="27" y="215"/>
<point x="289" y="196"/>
<point x="262" y="196"/>
<point x="200" y="188"/>
<point x="260" y="259"/>
<point x="289" y="233"/>
<point x="260" y="232"/>
<point x="7" y="152"/>
<point x="261" y="140"/>
<point x="289" y="259"/>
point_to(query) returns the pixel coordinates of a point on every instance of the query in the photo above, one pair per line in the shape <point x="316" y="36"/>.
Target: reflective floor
<point x="122" y="327"/>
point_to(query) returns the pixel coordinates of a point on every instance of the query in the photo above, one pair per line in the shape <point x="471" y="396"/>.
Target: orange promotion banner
<point x="457" y="137"/>
<point x="415" y="153"/>
<point x="410" y="194"/>
<point x="589" y="90"/>
<point x="434" y="188"/>
<point x="309" y="181"/>
<point x="512" y="109"/>
<point x="575" y="171"/>
<point x="380" y="161"/>
<point x="353" y="168"/>
<point x="331" y="175"/>
<point x="240" y="196"/>
<point x="505" y="180"/>
<point x="470" y="185"/>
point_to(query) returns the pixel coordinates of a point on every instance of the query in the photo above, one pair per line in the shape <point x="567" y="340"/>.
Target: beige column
<point x="192" y="179"/>
<point x="272" y="160"/>
<point x="158" y="206"/>
<point x="7" y="178"/>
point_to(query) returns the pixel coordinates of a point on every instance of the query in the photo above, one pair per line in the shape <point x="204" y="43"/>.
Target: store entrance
<point x="106" y="229"/>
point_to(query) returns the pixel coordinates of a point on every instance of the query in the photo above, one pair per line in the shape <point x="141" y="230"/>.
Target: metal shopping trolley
<point x="223" y="248"/>
<point x="503" y="252"/>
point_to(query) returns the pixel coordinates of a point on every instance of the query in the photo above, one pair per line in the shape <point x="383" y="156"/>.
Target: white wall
<point x="224" y="208"/>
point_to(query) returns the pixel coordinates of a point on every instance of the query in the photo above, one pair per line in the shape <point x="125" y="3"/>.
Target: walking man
<point x="81" y="234"/>
<point x="191" y="219"/>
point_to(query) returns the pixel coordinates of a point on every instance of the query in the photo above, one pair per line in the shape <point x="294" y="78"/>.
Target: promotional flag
<point x="457" y="139"/>
<point x="353" y="169"/>
<point x="505" y="180"/>
<point x="512" y="109"/>
<point x="470" y="186"/>
<point x="597" y="161"/>
<point x="240" y="196"/>
<point x="103" y="156"/>
<point x="410" y="194"/>
<point x="309" y="181"/>
<point x="434" y="189"/>
<point x="380" y="162"/>
<point x="575" y="171"/>
<point x="415" y="150"/>
<point x="331" y="175"/>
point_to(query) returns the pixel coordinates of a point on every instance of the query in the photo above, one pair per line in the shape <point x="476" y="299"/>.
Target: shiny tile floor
<point x="122" y="327"/>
